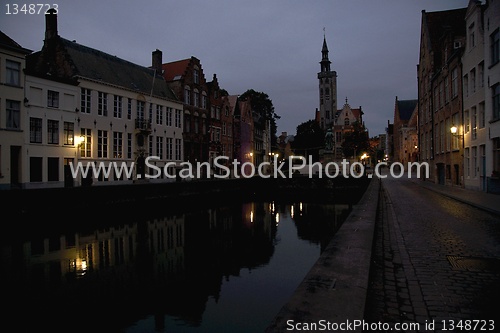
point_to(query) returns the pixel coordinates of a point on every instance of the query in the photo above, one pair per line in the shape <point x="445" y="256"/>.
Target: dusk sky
<point x="272" y="46"/>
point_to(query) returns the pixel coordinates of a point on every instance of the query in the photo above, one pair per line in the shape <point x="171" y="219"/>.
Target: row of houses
<point x="454" y="124"/>
<point x="70" y="105"/>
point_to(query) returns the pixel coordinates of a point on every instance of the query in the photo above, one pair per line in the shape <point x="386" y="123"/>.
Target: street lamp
<point x="454" y="131"/>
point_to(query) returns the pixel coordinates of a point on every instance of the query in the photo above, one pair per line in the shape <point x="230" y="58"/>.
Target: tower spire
<point x="325" y="62"/>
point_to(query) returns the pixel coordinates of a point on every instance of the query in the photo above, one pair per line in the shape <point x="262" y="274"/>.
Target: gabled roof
<point x="233" y="101"/>
<point x="357" y="113"/>
<point x="406" y="108"/>
<point x="8" y="43"/>
<point x="67" y="60"/>
<point x="175" y="70"/>
<point x="440" y="23"/>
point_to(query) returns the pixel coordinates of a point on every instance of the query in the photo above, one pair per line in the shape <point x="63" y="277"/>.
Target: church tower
<point x="327" y="90"/>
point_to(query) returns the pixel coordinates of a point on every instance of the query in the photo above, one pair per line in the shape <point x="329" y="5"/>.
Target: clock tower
<point x="327" y="90"/>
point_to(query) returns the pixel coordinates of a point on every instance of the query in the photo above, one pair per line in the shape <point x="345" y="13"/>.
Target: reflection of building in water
<point x="66" y="256"/>
<point x="166" y="241"/>
<point x="315" y="221"/>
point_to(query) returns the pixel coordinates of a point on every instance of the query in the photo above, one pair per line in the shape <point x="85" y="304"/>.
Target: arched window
<point x="346" y="121"/>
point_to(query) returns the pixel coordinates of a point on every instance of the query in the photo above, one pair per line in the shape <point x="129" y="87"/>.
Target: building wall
<point x="475" y="132"/>
<point x="110" y="136"/>
<point x="50" y="133"/>
<point x="440" y="96"/>
<point x="11" y="130"/>
<point x="492" y="99"/>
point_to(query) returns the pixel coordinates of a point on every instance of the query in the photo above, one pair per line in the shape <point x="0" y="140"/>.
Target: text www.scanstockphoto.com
<point x="294" y="165"/>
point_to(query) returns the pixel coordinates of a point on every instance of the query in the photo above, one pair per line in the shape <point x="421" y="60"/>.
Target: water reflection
<point x="189" y="269"/>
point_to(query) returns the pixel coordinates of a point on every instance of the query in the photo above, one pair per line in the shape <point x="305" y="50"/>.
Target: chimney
<point x="50" y="24"/>
<point x="157" y="61"/>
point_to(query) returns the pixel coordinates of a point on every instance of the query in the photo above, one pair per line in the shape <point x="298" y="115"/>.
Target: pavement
<point x="486" y="201"/>
<point x="436" y="259"/>
<point x="413" y="256"/>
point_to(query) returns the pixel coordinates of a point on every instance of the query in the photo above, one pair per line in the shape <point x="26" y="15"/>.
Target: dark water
<point x="221" y="269"/>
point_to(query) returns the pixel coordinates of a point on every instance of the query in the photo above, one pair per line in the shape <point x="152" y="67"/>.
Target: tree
<point x="356" y="142"/>
<point x="310" y="138"/>
<point x="262" y="104"/>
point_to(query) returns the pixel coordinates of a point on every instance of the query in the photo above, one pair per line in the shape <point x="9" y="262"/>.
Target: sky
<point x="271" y="46"/>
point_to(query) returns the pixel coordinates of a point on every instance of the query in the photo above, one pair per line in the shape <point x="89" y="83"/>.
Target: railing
<point x="143" y="124"/>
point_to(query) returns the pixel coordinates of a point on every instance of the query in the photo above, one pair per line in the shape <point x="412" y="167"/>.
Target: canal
<point x="162" y="267"/>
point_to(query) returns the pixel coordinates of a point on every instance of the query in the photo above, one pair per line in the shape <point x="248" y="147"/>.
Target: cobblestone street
<point x="435" y="260"/>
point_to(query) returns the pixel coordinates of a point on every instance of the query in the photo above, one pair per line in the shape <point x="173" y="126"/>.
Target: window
<point x="187" y="124"/>
<point x="53" y="169"/>
<point x="472" y="39"/>
<point x="150" y="145"/>
<point x="455" y="121"/>
<point x="178" y="118"/>
<point x="495" y="47"/>
<point x="481" y="74"/>
<point x="474" y="167"/>
<point x="13" y="113"/>
<point x="159" y="114"/>
<point x="69" y="133"/>
<point x="169" y="116"/>
<point x="169" y="148"/>
<point x="454" y="83"/>
<point x="466" y="121"/>
<point x="496" y="101"/>
<point x="196" y="98"/>
<point x="117" y="144"/>
<point x="204" y="101"/>
<point x="178" y="149"/>
<point x="35" y="130"/>
<point x="85" y="100"/>
<point x="159" y="147"/>
<point x="482" y="118"/>
<point x="36" y="168"/>
<point x="442" y="137"/>
<point x="129" y="145"/>
<point x="473" y="80"/>
<point x="102" y="104"/>
<point x="496" y="156"/>
<point x="140" y="110"/>
<point x="52" y="99"/>
<point x="473" y="125"/>
<point x="12" y="73"/>
<point x="117" y="106"/>
<point x="467" y="162"/>
<point x="85" y="148"/>
<point x="102" y="144"/>
<point x="446" y="90"/>
<point x="466" y="85"/>
<point x="346" y="121"/>
<point x="52" y="131"/>
<point x="441" y="94"/>
<point x="129" y="108"/>
<point x="187" y="96"/>
<point x="436" y="99"/>
<point x="196" y="76"/>
<point x="448" y="134"/>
